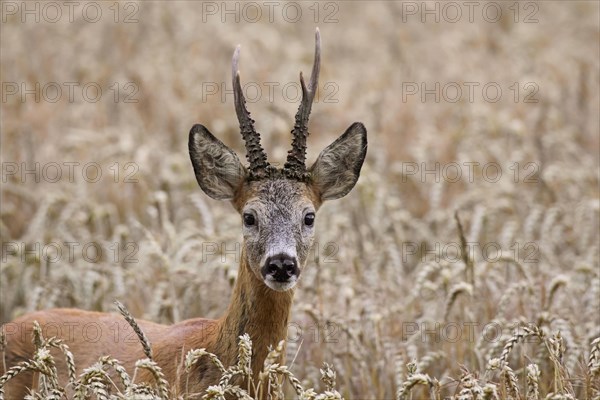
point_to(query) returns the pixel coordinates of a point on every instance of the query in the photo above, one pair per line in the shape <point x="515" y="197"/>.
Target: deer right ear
<point x="218" y="169"/>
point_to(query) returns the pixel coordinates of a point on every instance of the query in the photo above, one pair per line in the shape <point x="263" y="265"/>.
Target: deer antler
<point x="295" y="165"/>
<point x="255" y="154"/>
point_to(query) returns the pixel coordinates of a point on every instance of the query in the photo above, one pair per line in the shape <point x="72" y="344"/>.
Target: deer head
<point x="277" y="206"/>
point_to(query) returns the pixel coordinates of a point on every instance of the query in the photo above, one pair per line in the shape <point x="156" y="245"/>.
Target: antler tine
<point x="295" y="165"/>
<point x="254" y="152"/>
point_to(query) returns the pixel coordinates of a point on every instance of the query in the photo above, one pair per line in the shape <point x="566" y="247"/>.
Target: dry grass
<point x="390" y="318"/>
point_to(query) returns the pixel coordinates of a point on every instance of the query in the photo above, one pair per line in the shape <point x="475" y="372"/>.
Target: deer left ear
<point x="337" y="169"/>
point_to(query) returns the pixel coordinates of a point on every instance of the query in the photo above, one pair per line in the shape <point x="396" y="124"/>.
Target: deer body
<point x="254" y="309"/>
<point x="278" y="209"/>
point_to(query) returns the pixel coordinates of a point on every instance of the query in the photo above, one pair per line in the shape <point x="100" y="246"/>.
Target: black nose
<point x="280" y="267"/>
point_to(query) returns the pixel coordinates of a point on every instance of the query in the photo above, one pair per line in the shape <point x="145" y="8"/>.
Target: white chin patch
<point x="280" y="286"/>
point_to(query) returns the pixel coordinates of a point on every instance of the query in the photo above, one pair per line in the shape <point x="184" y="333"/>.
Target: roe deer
<point x="277" y="208"/>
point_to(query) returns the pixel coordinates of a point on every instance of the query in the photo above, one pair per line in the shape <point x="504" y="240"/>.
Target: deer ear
<point x="336" y="170"/>
<point x="218" y="169"/>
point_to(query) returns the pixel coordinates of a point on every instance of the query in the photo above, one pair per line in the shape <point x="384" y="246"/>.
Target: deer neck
<point x="257" y="310"/>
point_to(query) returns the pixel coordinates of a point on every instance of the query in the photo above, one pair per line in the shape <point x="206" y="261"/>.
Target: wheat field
<point x="464" y="264"/>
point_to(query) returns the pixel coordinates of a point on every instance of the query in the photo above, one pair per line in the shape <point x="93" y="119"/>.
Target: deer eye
<point x="249" y="219"/>
<point x="309" y="219"/>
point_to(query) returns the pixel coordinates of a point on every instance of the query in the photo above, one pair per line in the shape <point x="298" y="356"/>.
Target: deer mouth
<point x="280" y="286"/>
